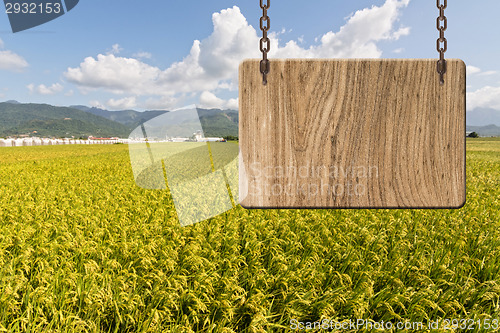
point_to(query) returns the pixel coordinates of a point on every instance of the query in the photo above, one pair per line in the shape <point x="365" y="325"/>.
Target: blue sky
<point x="121" y="54"/>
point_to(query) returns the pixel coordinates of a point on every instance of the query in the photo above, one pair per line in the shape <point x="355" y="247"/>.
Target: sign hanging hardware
<point x="265" y="43"/>
<point x="441" y="64"/>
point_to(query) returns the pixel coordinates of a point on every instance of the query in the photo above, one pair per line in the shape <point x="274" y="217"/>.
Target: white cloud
<point x="44" y="90"/>
<point x="232" y="104"/>
<point x="210" y="64"/>
<point x="358" y="37"/>
<point x="142" y="55"/>
<point x="232" y="40"/>
<point x="162" y="103"/>
<point x="398" y="51"/>
<point x="115" y="49"/>
<point x="486" y="97"/>
<point x="1" y="44"/>
<point x="208" y="100"/>
<point x="403" y="31"/>
<point x="11" y="61"/>
<point x="122" y="104"/>
<point x="488" y="73"/>
<point x="97" y="104"/>
<point x="53" y="89"/>
<point x="116" y="74"/>
<point x="472" y="70"/>
<point x="213" y="62"/>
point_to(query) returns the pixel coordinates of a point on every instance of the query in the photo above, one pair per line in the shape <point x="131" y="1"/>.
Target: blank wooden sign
<point x="352" y="134"/>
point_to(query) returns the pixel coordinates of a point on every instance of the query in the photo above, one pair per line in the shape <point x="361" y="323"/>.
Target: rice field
<point x="83" y="249"/>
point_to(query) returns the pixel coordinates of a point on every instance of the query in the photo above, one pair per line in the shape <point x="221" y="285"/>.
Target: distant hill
<point x="483" y="117"/>
<point x="490" y="130"/>
<point x="48" y="120"/>
<point x="219" y="123"/>
<point x="79" y="120"/>
<point x="214" y="122"/>
<point x="129" y="118"/>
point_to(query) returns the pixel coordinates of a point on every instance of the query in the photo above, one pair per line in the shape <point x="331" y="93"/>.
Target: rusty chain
<point x="442" y="43"/>
<point x="265" y="43"/>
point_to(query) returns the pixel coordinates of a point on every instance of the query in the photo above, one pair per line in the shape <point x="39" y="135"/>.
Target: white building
<point x="199" y="138"/>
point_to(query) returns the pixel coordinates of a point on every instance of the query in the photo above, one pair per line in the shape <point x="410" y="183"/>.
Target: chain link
<point x="265" y="43"/>
<point x="442" y="43"/>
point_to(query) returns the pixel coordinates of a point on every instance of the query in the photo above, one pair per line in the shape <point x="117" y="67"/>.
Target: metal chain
<point x="441" y="45"/>
<point x="441" y="64"/>
<point x="265" y="43"/>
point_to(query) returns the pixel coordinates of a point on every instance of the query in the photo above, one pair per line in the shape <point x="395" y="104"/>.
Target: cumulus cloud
<point x="44" y="90"/>
<point x="232" y="40"/>
<point x="486" y="97"/>
<point x="208" y="100"/>
<point x="12" y="62"/>
<point x="1" y="44"/>
<point x="116" y="74"/>
<point x="358" y="37"/>
<point x="232" y="104"/>
<point x="212" y="63"/>
<point x="122" y="104"/>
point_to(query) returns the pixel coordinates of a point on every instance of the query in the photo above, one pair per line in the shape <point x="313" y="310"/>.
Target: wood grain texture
<point x="352" y="133"/>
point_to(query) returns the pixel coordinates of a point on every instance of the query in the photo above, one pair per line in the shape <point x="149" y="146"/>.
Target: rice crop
<point x="83" y="249"/>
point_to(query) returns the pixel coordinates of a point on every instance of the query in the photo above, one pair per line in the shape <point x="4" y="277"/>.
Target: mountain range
<point x="490" y="130"/>
<point x="81" y="121"/>
<point x="483" y="117"/>
<point x="484" y="121"/>
<point x="128" y="118"/>
<point x="51" y="121"/>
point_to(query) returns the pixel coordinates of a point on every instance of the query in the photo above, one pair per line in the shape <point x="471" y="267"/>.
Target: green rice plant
<point x="83" y="249"/>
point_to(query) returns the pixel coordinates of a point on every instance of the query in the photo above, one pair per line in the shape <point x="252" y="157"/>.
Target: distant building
<point x="198" y="136"/>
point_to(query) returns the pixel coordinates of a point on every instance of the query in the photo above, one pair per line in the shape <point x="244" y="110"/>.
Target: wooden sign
<point x="352" y="133"/>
